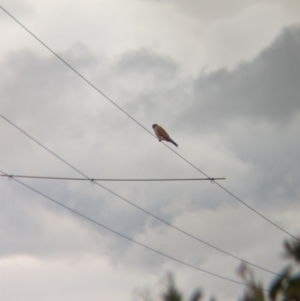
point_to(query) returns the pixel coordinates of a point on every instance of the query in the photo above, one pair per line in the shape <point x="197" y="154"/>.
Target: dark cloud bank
<point x="265" y="89"/>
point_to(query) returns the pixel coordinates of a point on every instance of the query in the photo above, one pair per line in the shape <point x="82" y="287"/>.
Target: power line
<point x="237" y="198"/>
<point x="73" y="69"/>
<point x="134" y="205"/>
<point x="112" y="180"/>
<point x="133" y="119"/>
<point x="126" y="237"/>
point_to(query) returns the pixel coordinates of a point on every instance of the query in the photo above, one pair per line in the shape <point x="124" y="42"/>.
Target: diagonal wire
<point x="133" y="119"/>
<point x="126" y="237"/>
<point x="234" y="196"/>
<point x="73" y="69"/>
<point x="134" y="205"/>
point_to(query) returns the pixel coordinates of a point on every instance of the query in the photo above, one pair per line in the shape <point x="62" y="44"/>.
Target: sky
<point x="222" y="78"/>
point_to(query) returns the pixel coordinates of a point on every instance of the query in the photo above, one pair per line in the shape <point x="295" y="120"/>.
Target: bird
<point x="161" y="134"/>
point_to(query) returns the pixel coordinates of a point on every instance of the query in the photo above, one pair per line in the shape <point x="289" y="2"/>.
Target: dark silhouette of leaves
<point x="172" y="293"/>
<point x="278" y="284"/>
<point x="196" y="296"/>
<point x="292" y="250"/>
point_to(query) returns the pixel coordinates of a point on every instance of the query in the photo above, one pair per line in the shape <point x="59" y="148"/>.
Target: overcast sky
<point x="222" y="78"/>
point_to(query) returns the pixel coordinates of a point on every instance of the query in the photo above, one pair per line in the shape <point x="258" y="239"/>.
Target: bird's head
<point x="154" y="125"/>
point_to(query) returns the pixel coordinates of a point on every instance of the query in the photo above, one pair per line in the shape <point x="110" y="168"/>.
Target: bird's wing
<point x="162" y="132"/>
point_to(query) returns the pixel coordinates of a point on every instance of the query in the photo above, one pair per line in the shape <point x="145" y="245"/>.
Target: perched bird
<point x="161" y="134"/>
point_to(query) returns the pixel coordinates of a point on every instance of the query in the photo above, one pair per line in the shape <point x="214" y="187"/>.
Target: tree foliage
<point x="173" y="294"/>
<point x="285" y="287"/>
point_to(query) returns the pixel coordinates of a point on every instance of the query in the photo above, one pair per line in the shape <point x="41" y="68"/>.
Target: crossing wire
<point x="127" y="201"/>
<point x="128" y="238"/>
<point x="133" y="119"/>
<point x="112" y="180"/>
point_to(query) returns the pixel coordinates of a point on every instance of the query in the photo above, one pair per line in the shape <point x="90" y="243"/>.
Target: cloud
<point x="242" y="124"/>
<point x="265" y="89"/>
<point x="20" y="7"/>
<point x="212" y="10"/>
<point x="150" y="87"/>
<point x="143" y="61"/>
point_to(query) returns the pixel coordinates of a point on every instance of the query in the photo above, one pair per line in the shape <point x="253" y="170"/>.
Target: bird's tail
<point x="170" y="140"/>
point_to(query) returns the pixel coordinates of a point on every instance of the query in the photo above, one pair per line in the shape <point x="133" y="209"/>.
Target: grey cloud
<point x="159" y="91"/>
<point x="208" y="9"/>
<point x="242" y="139"/>
<point x="146" y="62"/>
<point x="257" y="108"/>
<point x="265" y="89"/>
<point x="212" y="9"/>
<point x="148" y="81"/>
<point x="21" y="7"/>
<point x="23" y="72"/>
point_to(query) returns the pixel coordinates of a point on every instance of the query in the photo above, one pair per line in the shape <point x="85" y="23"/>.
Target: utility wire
<point x="237" y="198"/>
<point x="133" y="119"/>
<point x="112" y="180"/>
<point x="128" y="238"/>
<point x="73" y="69"/>
<point x="134" y="205"/>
